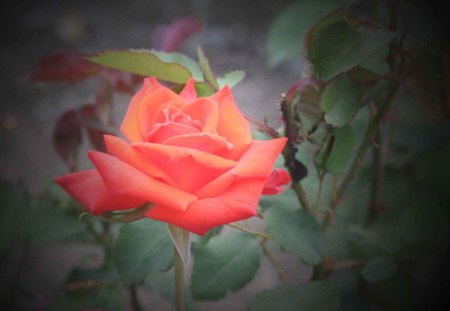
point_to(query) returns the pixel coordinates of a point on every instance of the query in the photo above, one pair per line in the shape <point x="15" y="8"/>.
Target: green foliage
<point x="296" y="231"/>
<point x="231" y="78"/>
<point x="206" y="68"/>
<point x="317" y="295"/>
<point x="40" y="220"/>
<point x="341" y="152"/>
<point x="379" y="268"/>
<point x="91" y="289"/>
<point x="143" y="247"/>
<point x="338" y="47"/>
<point x="173" y="67"/>
<point x="226" y="263"/>
<point x="340" y="101"/>
<point x="287" y="31"/>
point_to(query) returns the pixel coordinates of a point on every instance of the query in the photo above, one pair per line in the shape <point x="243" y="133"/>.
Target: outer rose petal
<point x="189" y="168"/>
<point x="87" y="187"/>
<point x="256" y="162"/>
<point x="189" y="93"/>
<point x="125" y="152"/>
<point x="276" y="181"/>
<point x="123" y="179"/>
<point x="130" y="124"/>
<point x="232" y="124"/>
<point x="238" y="202"/>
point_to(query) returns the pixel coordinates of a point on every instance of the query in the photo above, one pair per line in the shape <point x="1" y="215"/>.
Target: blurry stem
<point x="259" y="234"/>
<point x="301" y="196"/>
<point x="90" y="227"/>
<point x="289" y="151"/>
<point x="367" y="142"/>
<point x="134" y="298"/>
<point x="319" y="194"/>
<point x="378" y="172"/>
<point x="179" y="281"/>
<point x="278" y="268"/>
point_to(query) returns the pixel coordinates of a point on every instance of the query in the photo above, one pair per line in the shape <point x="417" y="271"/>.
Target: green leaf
<point x="339" y="47"/>
<point x="287" y="31"/>
<point x="287" y="199"/>
<point x="184" y="60"/>
<point x="341" y="153"/>
<point x="182" y="241"/>
<point x="314" y="296"/>
<point x="340" y="101"/>
<point x="226" y="263"/>
<point x="296" y="231"/>
<point x="231" y="78"/>
<point x="308" y="108"/>
<point x="378" y="269"/>
<point x="173" y="67"/>
<point x="143" y="247"/>
<point x="203" y="89"/>
<point x="206" y="68"/>
<point x="377" y="62"/>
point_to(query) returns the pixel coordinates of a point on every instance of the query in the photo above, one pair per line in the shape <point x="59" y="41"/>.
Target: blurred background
<point x="233" y="35"/>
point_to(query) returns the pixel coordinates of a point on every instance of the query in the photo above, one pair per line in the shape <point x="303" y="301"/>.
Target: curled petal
<point x="231" y="123"/>
<point x="256" y="162"/>
<point x="123" y="179"/>
<point x="130" y="125"/>
<point x="126" y="153"/>
<point x="204" y="110"/>
<point x="239" y="202"/>
<point x="276" y="181"/>
<point x="87" y="187"/>
<point x="189" y="168"/>
<point x="189" y="93"/>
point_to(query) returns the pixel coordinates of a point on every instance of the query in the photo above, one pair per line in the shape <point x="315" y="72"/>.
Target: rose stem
<point x="179" y="281"/>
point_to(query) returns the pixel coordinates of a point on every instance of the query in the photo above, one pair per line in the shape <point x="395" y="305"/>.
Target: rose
<point x="192" y="158"/>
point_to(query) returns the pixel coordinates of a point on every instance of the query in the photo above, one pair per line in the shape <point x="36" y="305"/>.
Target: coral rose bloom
<point x="192" y="158"/>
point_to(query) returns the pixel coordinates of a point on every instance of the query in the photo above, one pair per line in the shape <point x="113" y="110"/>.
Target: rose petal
<point x="204" y="110"/>
<point x="87" y="187"/>
<point x="276" y="181"/>
<point x="151" y="108"/>
<point x="189" y="93"/>
<point x="239" y="202"/>
<point x="189" y="168"/>
<point x="123" y="179"/>
<point x="232" y="124"/>
<point x="256" y="162"/>
<point x="125" y="152"/>
<point x="130" y="125"/>
<point x="162" y="131"/>
<point x="206" y="142"/>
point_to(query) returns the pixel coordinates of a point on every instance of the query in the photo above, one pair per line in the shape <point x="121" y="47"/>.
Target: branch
<point x="367" y="142"/>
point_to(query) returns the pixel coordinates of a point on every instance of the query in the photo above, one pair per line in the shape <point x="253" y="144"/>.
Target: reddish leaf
<point x="65" y="66"/>
<point x="94" y="127"/>
<point x="124" y="82"/>
<point x="169" y="38"/>
<point x="67" y="137"/>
